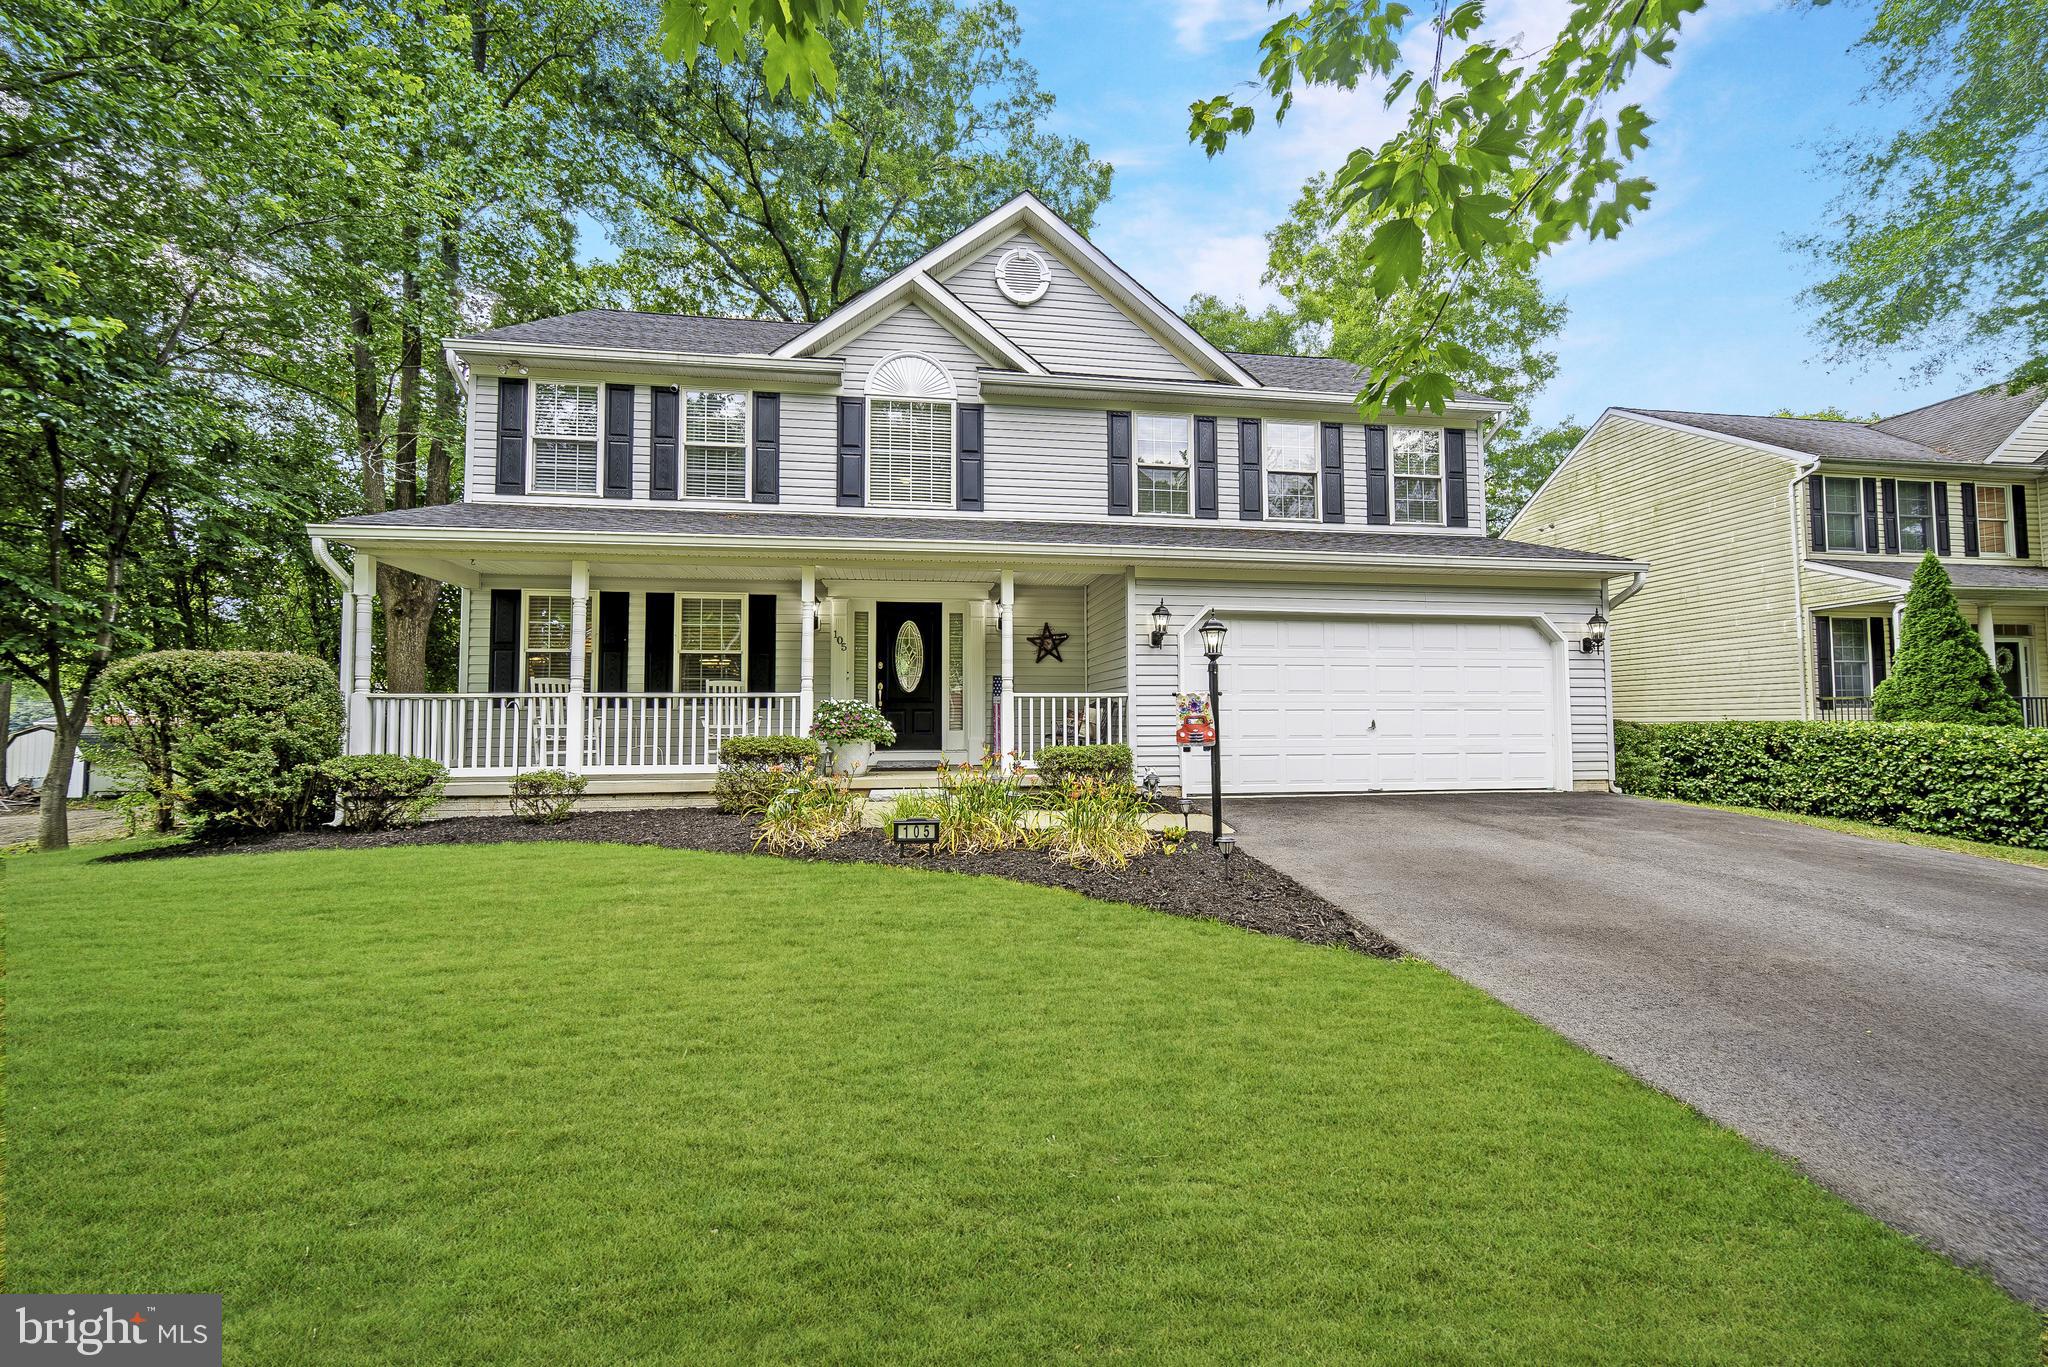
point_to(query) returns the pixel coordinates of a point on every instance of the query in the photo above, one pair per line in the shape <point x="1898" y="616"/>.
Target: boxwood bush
<point x="1059" y="763"/>
<point x="378" y="791"/>
<point x="235" y="740"/>
<point x="546" y="796"/>
<point x="1985" y="783"/>
<point x="753" y="770"/>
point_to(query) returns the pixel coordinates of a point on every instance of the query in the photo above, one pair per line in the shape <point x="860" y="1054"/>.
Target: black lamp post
<point x="1212" y="630"/>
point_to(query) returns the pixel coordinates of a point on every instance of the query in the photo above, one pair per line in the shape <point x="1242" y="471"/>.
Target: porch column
<point x="1987" y="632"/>
<point x="357" y="627"/>
<point x="579" y="627"/>
<point x="1006" y="709"/>
<point x="807" y="652"/>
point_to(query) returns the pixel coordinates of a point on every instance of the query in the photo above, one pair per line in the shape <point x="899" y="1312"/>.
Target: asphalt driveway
<point x="1878" y="1012"/>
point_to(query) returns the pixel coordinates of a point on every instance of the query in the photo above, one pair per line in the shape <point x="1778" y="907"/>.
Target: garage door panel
<point x="1357" y="704"/>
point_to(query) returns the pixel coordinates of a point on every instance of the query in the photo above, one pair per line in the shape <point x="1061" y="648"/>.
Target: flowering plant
<point x="842" y="721"/>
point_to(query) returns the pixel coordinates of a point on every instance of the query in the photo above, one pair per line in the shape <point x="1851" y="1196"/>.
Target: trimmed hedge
<point x="1059" y="763"/>
<point x="235" y="739"/>
<point x="739" y="751"/>
<point x="546" y="796"/>
<point x="1986" y="783"/>
<point x="753" y="770"/>
<point x="375" y="792"/>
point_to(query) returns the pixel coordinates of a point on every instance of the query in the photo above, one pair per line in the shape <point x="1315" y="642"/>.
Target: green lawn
<point x="585" y="1104"/>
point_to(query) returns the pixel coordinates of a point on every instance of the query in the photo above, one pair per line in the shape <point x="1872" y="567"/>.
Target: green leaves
<point x="794" y="37"/>
<point x="1395" y="254"/>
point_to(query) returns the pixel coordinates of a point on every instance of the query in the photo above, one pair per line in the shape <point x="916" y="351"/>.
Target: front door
<point x="907" y="672"/>
<point x="2010" y="661"/>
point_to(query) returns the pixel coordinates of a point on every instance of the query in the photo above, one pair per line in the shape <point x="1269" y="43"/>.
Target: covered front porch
<point x="634" y="668"/>
<point x="1857" y="634"/>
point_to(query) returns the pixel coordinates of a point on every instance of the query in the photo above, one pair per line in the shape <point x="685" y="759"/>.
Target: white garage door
<point x="1336" y="705"/>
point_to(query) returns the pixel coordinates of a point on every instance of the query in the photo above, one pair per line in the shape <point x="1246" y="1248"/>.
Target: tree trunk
<point x="408" y="620"/>
<point x="54" y="832"/>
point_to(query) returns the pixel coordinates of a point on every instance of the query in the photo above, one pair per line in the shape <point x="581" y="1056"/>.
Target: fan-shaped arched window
<point x="910" y="432"/>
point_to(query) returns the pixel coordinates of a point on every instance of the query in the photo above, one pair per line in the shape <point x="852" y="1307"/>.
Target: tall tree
<point x="731" y="198"/>
<point x="1939" y="243"/>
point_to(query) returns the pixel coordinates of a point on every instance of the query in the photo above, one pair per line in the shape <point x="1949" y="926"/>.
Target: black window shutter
<point x="967" y="458"/>
<point x="1120" y="464"/>
<point x="1823" y="660"/>
<point x="618" y="441"/>
<point x="1891" y="517"/>
<point x="1941" y="518"/>
<point x="665" y="427"/>
<point x="511" y="436"/>
<point x="1870" y="542"/>
<point x="1378" y="495"/>
<point x="760" y="643"/>
<point x="1251" y="481"/>
<point x="1457" y="507"/>
<point x="1817" y="506"/>
<point x="1877" y="651"/>
<point x="612" y="607"/>
<point x="504" y="640"/>
<point x="853" y="453"/>
<point x="1205" y="467"/>
<point x="658" y="645"/>
<point x="2019" y="521"/>
<point x="1969" y="519"/>
<point x="767" y="448"/>
<point x="1333" y="472"/>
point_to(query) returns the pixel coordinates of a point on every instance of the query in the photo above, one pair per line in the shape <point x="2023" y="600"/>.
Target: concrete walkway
<point x="1876" y="1011"/>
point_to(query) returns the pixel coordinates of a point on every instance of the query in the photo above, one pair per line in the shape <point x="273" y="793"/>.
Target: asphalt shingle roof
<point x="1962" y="575"/>
<point x="622" y="328"/>
<point x="1972" y="425"/>
<point x="630" y="519"/>
<point x="1810" y="436"/>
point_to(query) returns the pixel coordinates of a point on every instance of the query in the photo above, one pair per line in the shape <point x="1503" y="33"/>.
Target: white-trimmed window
<point x="1292" y="462"/>
<point x="910" y="452"/>
<point x="1842" y="501"/>
<point x="564" y="438"/>
<point x="714" y="445"/>
<point x="547" y="633"/>
<point x="1163" y="473"/>
<point x="1916" y="515"/>
<point x="710" y="642"/>
<point x="1994" y="519"/>
<point x="1849" y="640"/>
<point x="1417" y="459"/>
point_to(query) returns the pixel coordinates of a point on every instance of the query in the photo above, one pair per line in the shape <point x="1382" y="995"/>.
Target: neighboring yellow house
<point x="1780" y="549"/>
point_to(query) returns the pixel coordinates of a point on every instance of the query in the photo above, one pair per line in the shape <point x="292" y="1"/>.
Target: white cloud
<point x="1199" y="24"/>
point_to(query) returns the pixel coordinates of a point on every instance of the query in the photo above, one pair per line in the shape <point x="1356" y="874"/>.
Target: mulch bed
<point x="1195" y="881"/>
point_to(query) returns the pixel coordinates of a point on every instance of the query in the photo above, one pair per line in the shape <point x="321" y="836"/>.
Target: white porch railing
<point x="503" y="733"/>
<point x="1046" y="719"/>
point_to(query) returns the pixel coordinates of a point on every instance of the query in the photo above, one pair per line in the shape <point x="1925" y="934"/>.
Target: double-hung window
<point x="1850" y="647"/>
<point x="550" y="631"/>
<point x="910" y="452"/>
<point x="1292" y="463"/>
<point x="710" y="643"/>
<point x="1164" y="477"/>
<point x="564" y="438"/>
<point x="1916" y="515"/>
<point x="1417" y="456"/>
<point x="714" y="445"/>
<point x="1994" y="519"/>
<point x="1843" y="501"/>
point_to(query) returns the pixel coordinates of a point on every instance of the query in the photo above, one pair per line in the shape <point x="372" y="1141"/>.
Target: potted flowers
<point x="852" y="729"/>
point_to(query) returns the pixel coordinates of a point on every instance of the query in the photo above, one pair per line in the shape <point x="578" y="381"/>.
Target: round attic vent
<point x="1023" y="276"/>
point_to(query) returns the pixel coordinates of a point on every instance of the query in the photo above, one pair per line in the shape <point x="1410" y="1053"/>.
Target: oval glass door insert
<point x="909" y="657"/>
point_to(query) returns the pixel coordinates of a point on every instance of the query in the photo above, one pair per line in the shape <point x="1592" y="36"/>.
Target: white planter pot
<point x="850" y="757"/>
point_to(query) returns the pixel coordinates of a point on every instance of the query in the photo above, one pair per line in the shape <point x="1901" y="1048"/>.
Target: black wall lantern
<point x="1596" y="633"/>
<point x="1162" y="622"/>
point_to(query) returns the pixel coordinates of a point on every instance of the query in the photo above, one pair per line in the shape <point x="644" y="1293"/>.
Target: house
<point x="1783" y="548"/>
<point x="995" y="495"/>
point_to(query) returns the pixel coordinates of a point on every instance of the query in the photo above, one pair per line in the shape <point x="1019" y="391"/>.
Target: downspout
<point x="346" y="663"/>
<point x="1806" y="694"/>
<point x="1607" y="608"/>
<point x="1635" y="586"/>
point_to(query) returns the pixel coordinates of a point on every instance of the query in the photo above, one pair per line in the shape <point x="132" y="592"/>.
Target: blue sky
<point x="1695" y="306"/>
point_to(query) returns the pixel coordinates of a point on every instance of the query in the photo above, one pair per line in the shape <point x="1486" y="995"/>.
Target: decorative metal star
<point x="1049" y="642"/>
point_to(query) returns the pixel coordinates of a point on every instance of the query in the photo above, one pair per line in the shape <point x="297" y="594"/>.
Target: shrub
<point x="839" y="721"/>
<point x="810" y="812"/>
<point x="1057" y="764"/>
<point x="236" y="740"/>
<point x="980" y="808"/>
<point x="546" y="796"/>
<point x="1985" y="783"/>
<point x="377" y="791"/>
<point x="1638" y="764"/>
<point x="1099" y="821"/>
<point x="753" y="769"/>
<point x="1941" y="672"/>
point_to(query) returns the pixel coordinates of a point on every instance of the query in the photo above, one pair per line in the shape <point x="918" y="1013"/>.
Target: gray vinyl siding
<point x="1108" y="643"/>
<point x="1074" y="328"/>
<point x="1157" y="673"/>
<point x="480" y="450"/>
<point x="1066" y="610"/>
<point x="910" y="328"/>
